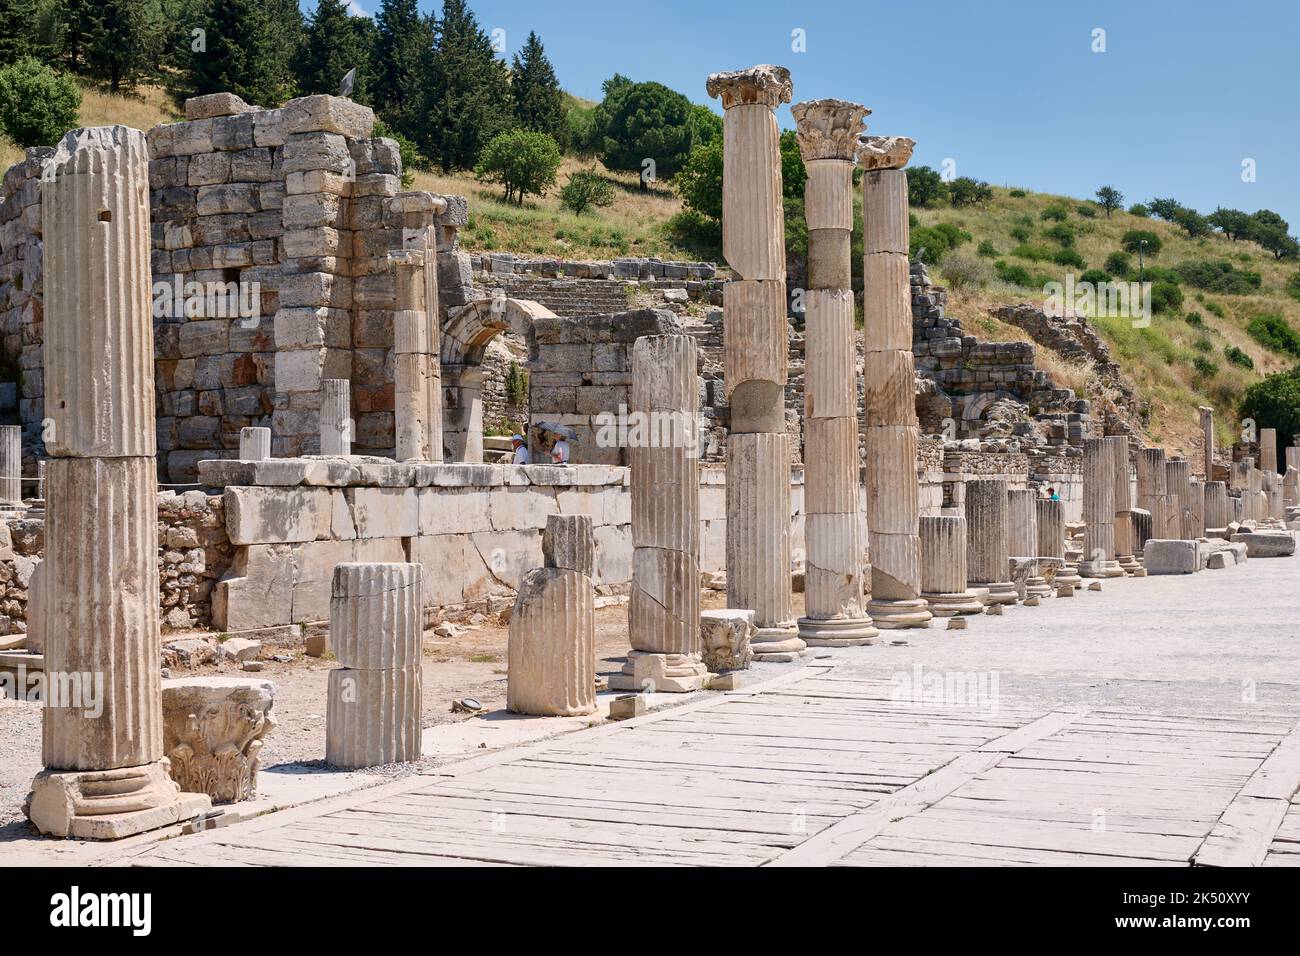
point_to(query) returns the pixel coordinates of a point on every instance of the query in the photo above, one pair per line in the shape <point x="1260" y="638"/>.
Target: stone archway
<point x="465" y="336"/>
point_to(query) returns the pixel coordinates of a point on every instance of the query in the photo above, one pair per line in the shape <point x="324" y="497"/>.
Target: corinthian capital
<point x="829" y="129"/>
<point x="885" y="152"/>
<point x="765" y="84"/>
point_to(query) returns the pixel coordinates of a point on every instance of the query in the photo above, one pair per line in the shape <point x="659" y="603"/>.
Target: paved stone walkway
<point x="1154" y="723"/>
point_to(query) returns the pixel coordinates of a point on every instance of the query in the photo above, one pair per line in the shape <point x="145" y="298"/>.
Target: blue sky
<point x="1010" y="90"/>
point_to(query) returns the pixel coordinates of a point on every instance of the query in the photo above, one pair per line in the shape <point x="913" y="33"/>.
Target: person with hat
<point x="522" y="457"/>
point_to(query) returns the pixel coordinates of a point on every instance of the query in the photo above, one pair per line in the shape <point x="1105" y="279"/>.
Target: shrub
<point x="1020" y="233"/>
<point x="1069" y="257"/>
<point x="1017" y="194"/>
<point x="516" y="384"/>
<point x="1221" y="277"/>
<point x="1138" y="209"/>
<point x="934" y="242"/>
<point x="37" y="105"/>
<point x="1095" y="276"/>
<point x="522" y="160"/>
<point x="1086" y="210"/>
<point x="1214" y="308"/>
<point x="1203" y="345"/>
<point x="925" y="187"/>
<point x="964" y="191"/>
<point x="1205" y="367"/>
<point x="1237" y="357"/>
<point x="1117" y="264"/>
<point x="1061" y="232"/>
<point x="1033" y="253"/>
<point x="1166" y="297"/>
<point x="989" y="251"/>
<point x="1016" y="275"/>
<point x="1292" y="285"/>
<point x="963" y="272"/>
<point x="697" y="232"/>
<point x="1055" y="211"/>
<point x="1194" y="319"/>
<point x="586" y="189"/>
<point x="1133" y="239"/>
<point x="1274" y="333"/>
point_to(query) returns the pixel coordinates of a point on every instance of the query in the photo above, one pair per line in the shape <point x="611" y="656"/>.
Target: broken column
<point x="987" y="554"/>
<point x="11" y="464"/>
<point x="552" y="649"/>
<point x="890" y="441"/>
<point x="1125" y="550"/>
<point x="1218" y="510"/>
<point x="105" y="774"/>
<point x="1196" y="508"/>
<point x="1022" y="536"/>
<point x="1178" y="480"/>
<point x="1207" y="439"/>
<point x="372" y="714"/>
<point x="755" y="343"/>
<point x="664" y="606"/>
<point x="1151" y="487"/>
<point x="835" y="614"/>
<point x="943" y="566"/>
<point x="335" y="417"/>
<point x="417" y="367"/>
<point x="1051" y="541"/>
<point x="254" y="444"/>
<point x="1099" y="511"/>
<point x="1267" y="450"/>
<point x="1291" y="482"/>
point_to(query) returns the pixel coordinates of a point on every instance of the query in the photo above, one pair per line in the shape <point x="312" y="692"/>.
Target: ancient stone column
<point x="987" y="554"/>
<point x="1268" y="450"/>
<point x="1051" y="541"/>
<point x="1124" y="547"/>
<point x="664" y="606"/>
<point x="1291" y="483"/>
<point x="11" y="464"/>
<point x="1273" y="493"/>
<point x="417" y="368"/>
<point x="1142" y="532"/>
<point x="106" y="776"/>
<point x="254" y="444"/>
<point x="890" y="440"/>
<point x="1151" y="487"/>
<point x="1099" y="511"/>
<point x="834" y="614"/>
<point x="755" y="343"/>
<point x="1218" y="510"/>
<point x="552" y="643"/>
<point x="1207" y="439"/>
<point x="372" y="714"/>
<point x="1022" y="535"/>
<point x="1196" y="507"/>
<point x="335" y="416"/>
<point x="943" y="566"/>
<point x="1178" y="478"/>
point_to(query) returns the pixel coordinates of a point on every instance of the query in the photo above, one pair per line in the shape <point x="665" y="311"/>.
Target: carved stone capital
<point x="829" y="128"/>
<point x="765" y="84"/>
<point x="214" y="728"/>
<point x="885" y="152"/>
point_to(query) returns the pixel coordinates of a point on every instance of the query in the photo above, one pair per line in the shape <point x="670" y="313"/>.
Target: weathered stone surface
<point x="1171" y="556"/>
<point x="213" y="728"/>
<point x="568" y="543"/>
<point x="376" y="615"/>
<point x="372" y="717"/>
<point x="987" y="546"/>
<point x="725" y="637"/>
<point x="215" y="104"/>
<point x="552" y="645"/>
<point x="943" y="566"/>
<point x="1266" y="544"/>
<point x="254" y="444"/>
<point x="277" y="515"/>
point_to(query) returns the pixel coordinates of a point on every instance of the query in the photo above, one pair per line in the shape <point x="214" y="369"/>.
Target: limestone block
<point x="829" y="370"/>
<point x="664" y="605"/>
<point x="331" y="114"/>
<point x="660" y="673"/>
<point x="893" y="503"/>
<point x="886" y="302"/>
<point x="1266" y="544"/>
<point x="552" y="645"/>
<point x="1171" y="556"/>
<point x="372" y="717"/>
<point x="215" y="104"/>
<point x="258" y="589"/>
<point x="885" y="212"/>
<point x="568" y="543"/>
<point x="725" y="636"/>
<point x="213" y="729"/>
<point x="755" y="332"/>
<point x="453" y="510"/>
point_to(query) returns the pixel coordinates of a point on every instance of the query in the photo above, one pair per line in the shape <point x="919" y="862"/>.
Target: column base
<point x="946" y="605"/>
<point x="1000" y="592"/>
<point x="1100" y="569"/>
<point x="652" y="673"/>
<point x="891" y="615"/>
<point x="110" y="804"/>
<point x="1038" y="586"/>
<point x="837" y="632"/>
<point x="1068" y="576"/>
<point x="778" y="644"/>
<point x="1131" y="566"/>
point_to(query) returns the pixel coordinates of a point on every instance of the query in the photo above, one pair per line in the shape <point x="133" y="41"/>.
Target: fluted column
<point x="372" y="714"/>
<point x="664" y="607"/>
<point x="1291" y="482"/>
<point x="943" y="566"/>
<point x="11" y="464"/>
<point x="335" y="416"/>
<point x="254" y="444"/>
<point x="1268" y="450"/>
<point x="755" y="343"/>
<point x="1207" y="440"/>
<point x="102" y="742"/>
<point x="417" y="369"/>
<point x="1151" y="487"/>
<point x="1178" y="479"/>
<point x="1125" y="550"/>
<point x="893" y="506"/>
<point x="1218" y="510"/>
<point x="1051" y="541"/>
<point x="1022" y="535"/>
<point x="834" y="607"/>
<point x="987" y="549"/>
<point x="1099" y="511"/>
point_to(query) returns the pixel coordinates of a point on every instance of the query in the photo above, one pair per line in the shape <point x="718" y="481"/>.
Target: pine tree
<point x="537" y="97"/>
<point x="335" y="43"/>
<point x="468" y="92"/>
<point x="17" y="20"/>
<point x="248" y="49"/>
<point x="403" y="51"/>
<point x="121" y="43"/>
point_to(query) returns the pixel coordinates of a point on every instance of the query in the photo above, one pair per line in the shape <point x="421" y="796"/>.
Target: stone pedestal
<point x="835" y="614"/>
<point x="943" y="567"/>
<point x="254" y="444"/>
<point x="372" y="714"/>
<point x="987" y="549"/>
<point x="1099" y="511"/>
<point x="1051" y="542"/>
<point x="889" y="403"/>
<point x="664" y="606"/>
<point x="102" y="740"/>
<point x="335" y="416"/>
<point x="755" y="341"/>
<point x="213" y="728"/>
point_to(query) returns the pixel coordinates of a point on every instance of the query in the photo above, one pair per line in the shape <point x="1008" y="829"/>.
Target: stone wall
<point x="21" y="300"/>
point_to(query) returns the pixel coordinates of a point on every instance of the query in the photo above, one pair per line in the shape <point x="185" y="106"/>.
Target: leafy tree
<point x="1292" y="285"/>
<point x="1193" y="223"/>
<point x="1233" y="223"/>
<point x="1110" y="199"/>
<point x="37" y="105"/>
<point x="640" y="121"/>
<point x="249" y="50"/>
<point x="467" y="93"/>
<point x="586" y="189"/>
<point x="1140" y="209"/>
<point x="1117" y="264"/>
<point x="699" y="183"/>
<point x="964" y="191"/>
<point x="73" y="23"/>
<point x="535" y="91"/>
<point x="522" y="160"/>
<point x="402" y="54"/>
<point x="580" y="129"/>
<point x="1132" y="241"/>
<point x="1275" y="239"/>
<point x="925" y="187"/>
<point x="1273" y="332"/>
<point x="122" y="45"/>
<point x="1274" y="402"/>
<point x="1166" y="209"/>
<point x="334" y="43"/>
<point x="1165" y="297"/>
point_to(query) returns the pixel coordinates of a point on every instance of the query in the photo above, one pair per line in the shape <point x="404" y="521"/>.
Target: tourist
<point x="560" y="452"/>
<point x="522" y="457"/>
<point x="1052" y="495"/>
